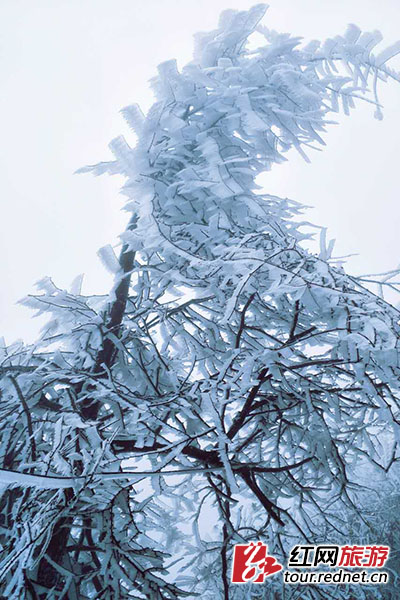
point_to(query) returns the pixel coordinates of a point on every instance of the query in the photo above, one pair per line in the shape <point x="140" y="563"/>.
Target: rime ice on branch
<point x="263" y="374"/>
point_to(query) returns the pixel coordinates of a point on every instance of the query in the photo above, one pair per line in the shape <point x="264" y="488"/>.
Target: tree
<point x="231" y="376"/>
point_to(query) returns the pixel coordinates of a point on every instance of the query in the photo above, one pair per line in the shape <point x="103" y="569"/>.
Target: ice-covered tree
<point x="233" y="383"/>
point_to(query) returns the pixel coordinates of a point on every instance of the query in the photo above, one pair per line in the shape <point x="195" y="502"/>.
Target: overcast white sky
<point x="68" y="66"/>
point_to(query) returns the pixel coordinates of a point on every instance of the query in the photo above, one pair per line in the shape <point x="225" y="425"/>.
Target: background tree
<point x="233" y="384"/>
